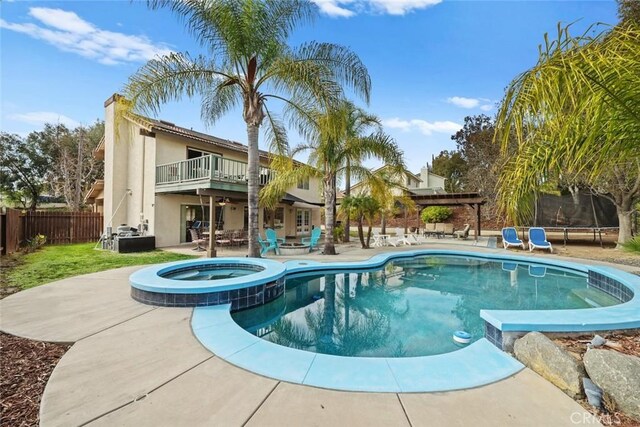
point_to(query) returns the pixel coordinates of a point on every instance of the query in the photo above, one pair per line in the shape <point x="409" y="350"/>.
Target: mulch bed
<point x="629" y="344"/>
<point x="26" y="367"/>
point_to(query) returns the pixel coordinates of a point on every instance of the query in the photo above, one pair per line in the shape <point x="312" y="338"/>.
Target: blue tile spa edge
<point x="478" y="364"/>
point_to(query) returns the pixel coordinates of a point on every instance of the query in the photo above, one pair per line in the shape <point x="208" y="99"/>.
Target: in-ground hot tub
<point x="241" y="282"/>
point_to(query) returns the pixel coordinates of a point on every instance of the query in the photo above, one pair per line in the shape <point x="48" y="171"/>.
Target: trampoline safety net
<point x="580" y="210"/>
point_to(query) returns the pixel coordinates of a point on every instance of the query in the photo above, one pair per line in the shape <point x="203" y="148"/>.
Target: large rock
<point x="619" y="376"/>
<point x="551" y="361"/>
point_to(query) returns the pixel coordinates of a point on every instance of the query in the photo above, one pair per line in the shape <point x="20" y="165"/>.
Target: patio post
<point x="211" y="249"/>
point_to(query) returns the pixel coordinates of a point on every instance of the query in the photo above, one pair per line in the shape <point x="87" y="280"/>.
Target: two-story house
<point x="168" y="177"/>
<point x="425" y="183"/>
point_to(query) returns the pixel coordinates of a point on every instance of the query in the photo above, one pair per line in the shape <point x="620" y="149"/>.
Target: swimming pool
<point x="411" y="307"/>
<point x="496" y="296"/>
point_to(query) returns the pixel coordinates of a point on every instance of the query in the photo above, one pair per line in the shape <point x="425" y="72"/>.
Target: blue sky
<point x="432" y="63"/>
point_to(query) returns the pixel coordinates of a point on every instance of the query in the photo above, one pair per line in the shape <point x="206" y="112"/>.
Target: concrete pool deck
<point x="133" y="364"/>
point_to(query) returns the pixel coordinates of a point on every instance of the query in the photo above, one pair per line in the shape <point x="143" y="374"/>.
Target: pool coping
<point x="478" y="364"/>
<point x="482" y="362"/>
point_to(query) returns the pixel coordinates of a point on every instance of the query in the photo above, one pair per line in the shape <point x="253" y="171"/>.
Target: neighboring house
<point x="165" y="175"/>
<point x="425" y="183"/>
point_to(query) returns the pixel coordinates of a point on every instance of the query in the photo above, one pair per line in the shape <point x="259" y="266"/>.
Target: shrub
<point x="338" y="233"/>
<point x="632" y="245"/>
<point x="436" y="214"/>
<point x="36" y="242"/>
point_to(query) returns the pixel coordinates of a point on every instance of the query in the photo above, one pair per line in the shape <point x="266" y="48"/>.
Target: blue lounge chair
<point x="313" y="240"/>
<point x="510" y="238"/>
<point x="273" y="239"/>
<point x="538" y="239"/>
<point x="269" y="244"/>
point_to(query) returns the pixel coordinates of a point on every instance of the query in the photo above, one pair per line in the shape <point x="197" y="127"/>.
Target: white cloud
<point x="460" y="101"/>
<point x="427" y="128"/>
<point x="333" y="8"/>
<point x="42" y="117"/>
<point x="70" y="33"/>
<point x="349" y="8"/>
<point x="401" y="7"/>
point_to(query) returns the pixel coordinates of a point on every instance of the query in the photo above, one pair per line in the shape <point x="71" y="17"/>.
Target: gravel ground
<point x="26" y="367"/>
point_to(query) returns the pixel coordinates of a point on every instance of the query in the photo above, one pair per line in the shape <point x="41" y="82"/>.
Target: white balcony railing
<point x="209" y="168"/>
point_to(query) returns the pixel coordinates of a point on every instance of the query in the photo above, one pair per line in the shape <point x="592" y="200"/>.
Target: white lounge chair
<point x="462" y="234"/>
<point x="402" y="237"/>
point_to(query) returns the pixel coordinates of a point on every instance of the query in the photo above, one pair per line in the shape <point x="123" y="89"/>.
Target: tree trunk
<point x="369" y="233"/>
<point x="624" y="220"/>
<point x="347" y="193"/>
<point x="361" y="234"/>
<point x="329" y="211"/>
<point x="383" y="223"/>
<point x="253" y="186"/>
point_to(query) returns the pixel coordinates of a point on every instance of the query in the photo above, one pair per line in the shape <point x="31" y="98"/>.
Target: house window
<point x="193" y="153"/>
<point x="274" y="218"/>
<point x="303" y="184"/>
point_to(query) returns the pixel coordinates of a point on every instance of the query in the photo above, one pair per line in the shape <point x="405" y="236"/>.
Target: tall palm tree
<point x="250" y="64"/>
<point x="576" y="113"/>
<point x="359" y="125"/>
<point x="325" y="131"/>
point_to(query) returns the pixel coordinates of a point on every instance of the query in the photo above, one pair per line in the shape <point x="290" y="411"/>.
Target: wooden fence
<point x="11" y="230"/>
<point x="58" y="227"/>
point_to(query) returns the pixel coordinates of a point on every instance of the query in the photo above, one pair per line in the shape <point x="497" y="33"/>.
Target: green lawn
<point x="59" y="261"/>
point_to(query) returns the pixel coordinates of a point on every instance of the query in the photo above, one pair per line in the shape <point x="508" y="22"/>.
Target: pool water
<point x="410" y="307"/>
<point x="207" y="273"/>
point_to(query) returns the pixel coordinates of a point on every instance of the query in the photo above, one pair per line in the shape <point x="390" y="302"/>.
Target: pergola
<point x="453" y="199"/>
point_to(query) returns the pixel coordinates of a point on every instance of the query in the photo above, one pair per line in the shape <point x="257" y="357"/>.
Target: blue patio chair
<point x="510" y="238"/>
<point x="313" y="240"/>
<point x="267" y="246"/>
<point x="273" y="239"/>
<point x="538" y="239"/>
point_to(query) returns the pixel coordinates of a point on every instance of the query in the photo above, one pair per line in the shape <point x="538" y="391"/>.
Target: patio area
<point x="133" y="364"/>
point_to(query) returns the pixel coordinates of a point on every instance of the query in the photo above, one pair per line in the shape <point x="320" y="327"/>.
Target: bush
<point x="338" y="233"/>
<point x="436" y="214"/>
<point x="36" y="242"/>
<point x="632" y="245"/>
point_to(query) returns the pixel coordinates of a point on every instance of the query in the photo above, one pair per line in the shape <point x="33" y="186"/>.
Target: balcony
<point x="207" y="172"/>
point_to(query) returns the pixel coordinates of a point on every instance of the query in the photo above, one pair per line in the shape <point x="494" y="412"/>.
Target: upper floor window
<point x="193" y="153"/>
<point x="303" y="184"/>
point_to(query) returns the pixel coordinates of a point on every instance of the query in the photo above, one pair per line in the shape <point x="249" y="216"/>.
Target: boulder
<point x="551" y="361"/>
<point x="619" y="376"/>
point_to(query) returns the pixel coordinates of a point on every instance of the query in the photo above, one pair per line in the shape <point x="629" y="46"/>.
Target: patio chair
<point x="272" y="238"/>
<point x="538" y="239"/>
<point x="429" y="229"/>
<point x="448" y="229"/>
<point x="378" y="241"/>
<point x="417" y="239"/>
<point x="197" y="240"/>
<point x="267" y="246"/>
<point x="313" y="240"/>
<point x="401" y="237"/>
<point x="510" y="238"/>
<point x="239" y="238"/>
<point x="439" y="231"/>
<point x="462" y="234"/>
<point x="223" y="238"/>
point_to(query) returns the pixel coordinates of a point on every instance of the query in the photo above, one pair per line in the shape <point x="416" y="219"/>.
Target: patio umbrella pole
<point x="211" y="250"/>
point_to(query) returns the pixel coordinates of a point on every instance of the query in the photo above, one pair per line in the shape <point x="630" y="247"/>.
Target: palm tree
<point x="576" y="113"/>
<point x="359" y="125"/>
<point x="326" y="132"/>
<point x="360" y="208"/>
<point x="250" y="64"/>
